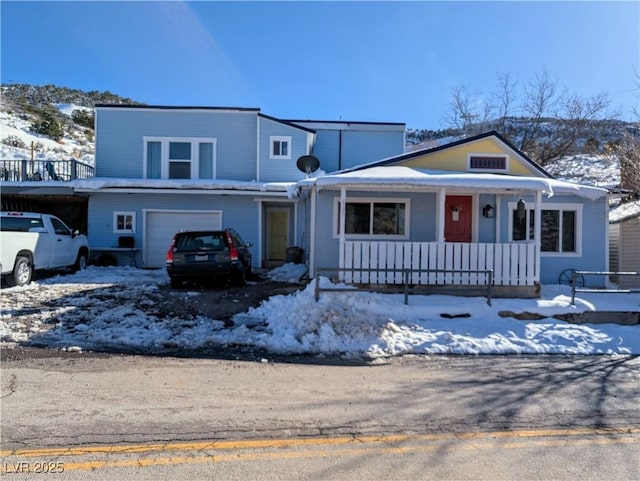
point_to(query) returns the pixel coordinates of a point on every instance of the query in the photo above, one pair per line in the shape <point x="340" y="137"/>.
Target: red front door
<point x="457" y="214"/>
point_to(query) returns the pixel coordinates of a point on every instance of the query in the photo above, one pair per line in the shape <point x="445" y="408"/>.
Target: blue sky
<point x="366" y="61"/>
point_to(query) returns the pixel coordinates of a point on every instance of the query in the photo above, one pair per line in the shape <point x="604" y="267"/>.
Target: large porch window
<point x="561" y="225"/>
<point x="366" y="218"/>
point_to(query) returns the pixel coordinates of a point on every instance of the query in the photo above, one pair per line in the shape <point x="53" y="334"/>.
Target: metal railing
<point x="21" y="170"/>
<point x="406" y="275"/>
<point x="576" y="275"/>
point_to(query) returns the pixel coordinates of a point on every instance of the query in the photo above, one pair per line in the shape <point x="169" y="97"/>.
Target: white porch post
<point x="538" y="230"/>
<point x="497" y="217"/>
<point x="262" y="233"/>
<point x="442" y="193"/>
<point x="312" y="239"/>
<point x="343" y="212"/>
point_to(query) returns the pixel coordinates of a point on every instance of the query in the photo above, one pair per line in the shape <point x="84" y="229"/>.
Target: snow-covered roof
<point x="214" y="185"/>
<point x="625" y="211"/>
<point x="408" y="178"/>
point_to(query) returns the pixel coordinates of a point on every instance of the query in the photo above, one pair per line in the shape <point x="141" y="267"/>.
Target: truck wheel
<point x="22" y="272"/>
<point x="81" y="262"/>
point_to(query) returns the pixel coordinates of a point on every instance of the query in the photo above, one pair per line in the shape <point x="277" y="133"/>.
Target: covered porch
<point x="438" y="259"/>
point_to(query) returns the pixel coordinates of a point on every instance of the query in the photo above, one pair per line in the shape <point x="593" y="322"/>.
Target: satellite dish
<point x="308" y="164"/>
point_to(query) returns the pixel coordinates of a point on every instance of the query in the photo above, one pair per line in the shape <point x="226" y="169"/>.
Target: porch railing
<point x="439" y="263"/>
<point x="406" y="276"/>
<point x="20" y="170"/>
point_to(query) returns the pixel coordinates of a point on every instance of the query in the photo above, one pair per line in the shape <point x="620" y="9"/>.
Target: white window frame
<point x="371" y="201"/>
<point x="501" y="171"/>
<point x="119" y="213"/>
<point x="578" y="208"/>
<point x="195" y="154"/>
<point x="280" y="138"/>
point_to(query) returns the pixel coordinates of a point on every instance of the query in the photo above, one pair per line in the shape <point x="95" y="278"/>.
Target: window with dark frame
<point x="280" y="148"/>
<point x="373" y="218"/>
<point x="558" y="229"/>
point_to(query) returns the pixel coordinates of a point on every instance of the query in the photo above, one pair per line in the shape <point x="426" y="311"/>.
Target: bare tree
<point x="550" y="122"/>
<point x="627" y="149"/>
<point x="576" y="113"/>
<point x="466" y="110"/>
<point x="504" y="98"/>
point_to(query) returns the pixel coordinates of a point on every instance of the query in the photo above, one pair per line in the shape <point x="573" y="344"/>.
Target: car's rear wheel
<point x="240" y="277"/>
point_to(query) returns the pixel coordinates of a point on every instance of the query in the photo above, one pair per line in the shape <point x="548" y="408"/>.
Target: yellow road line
<point x="296" y="442"/>
<point x="360" y="451"/>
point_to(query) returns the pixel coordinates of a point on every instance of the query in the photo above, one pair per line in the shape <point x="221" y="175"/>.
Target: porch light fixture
<point x="521" y="210"/>
<point x="488" y="211"/>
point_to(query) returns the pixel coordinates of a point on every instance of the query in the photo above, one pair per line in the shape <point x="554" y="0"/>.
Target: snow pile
<point x="352" y="324"/>
<point x="287" y="273"/>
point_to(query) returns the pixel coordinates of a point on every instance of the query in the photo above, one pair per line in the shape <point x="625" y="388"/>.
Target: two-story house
<point x="452" y="214"/>
<point x="162" y="169"/>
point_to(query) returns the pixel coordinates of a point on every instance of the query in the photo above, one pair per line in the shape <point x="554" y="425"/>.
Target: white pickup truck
<point x="30" y="241"/>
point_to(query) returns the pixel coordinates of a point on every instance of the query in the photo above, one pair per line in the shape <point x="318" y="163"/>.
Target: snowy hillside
<point x="19" y="141"/>
<point x="596" y="170"/>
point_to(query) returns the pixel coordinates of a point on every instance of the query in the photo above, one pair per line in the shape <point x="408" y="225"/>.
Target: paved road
<point x="428" y="417"/>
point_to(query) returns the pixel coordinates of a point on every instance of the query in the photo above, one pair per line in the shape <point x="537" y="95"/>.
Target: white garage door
<point x="160" y="226"/>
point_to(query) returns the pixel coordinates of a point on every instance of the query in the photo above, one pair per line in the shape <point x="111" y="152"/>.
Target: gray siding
<point x="630" y="252"/>
<point x="614" y="249"/>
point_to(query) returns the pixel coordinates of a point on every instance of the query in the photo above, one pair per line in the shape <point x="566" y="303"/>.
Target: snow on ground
<point x="350" y="324"/>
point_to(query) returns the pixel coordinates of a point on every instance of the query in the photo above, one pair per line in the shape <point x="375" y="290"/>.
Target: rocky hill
<point x="40" y="96"/>
<point x="49" y="122"/>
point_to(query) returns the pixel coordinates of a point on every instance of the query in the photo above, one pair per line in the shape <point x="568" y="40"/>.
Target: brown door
<point x="457" y="215"/>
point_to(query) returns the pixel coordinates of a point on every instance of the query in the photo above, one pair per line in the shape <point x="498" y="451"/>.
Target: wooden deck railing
<point x="20" y="170"/>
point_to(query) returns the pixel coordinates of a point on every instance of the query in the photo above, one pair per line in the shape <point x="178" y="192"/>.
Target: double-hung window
<point x="374" y="218"/>
<point x="280" y="147"/>
<point x="560" y="225"/>
<point x="179" y="158"/>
